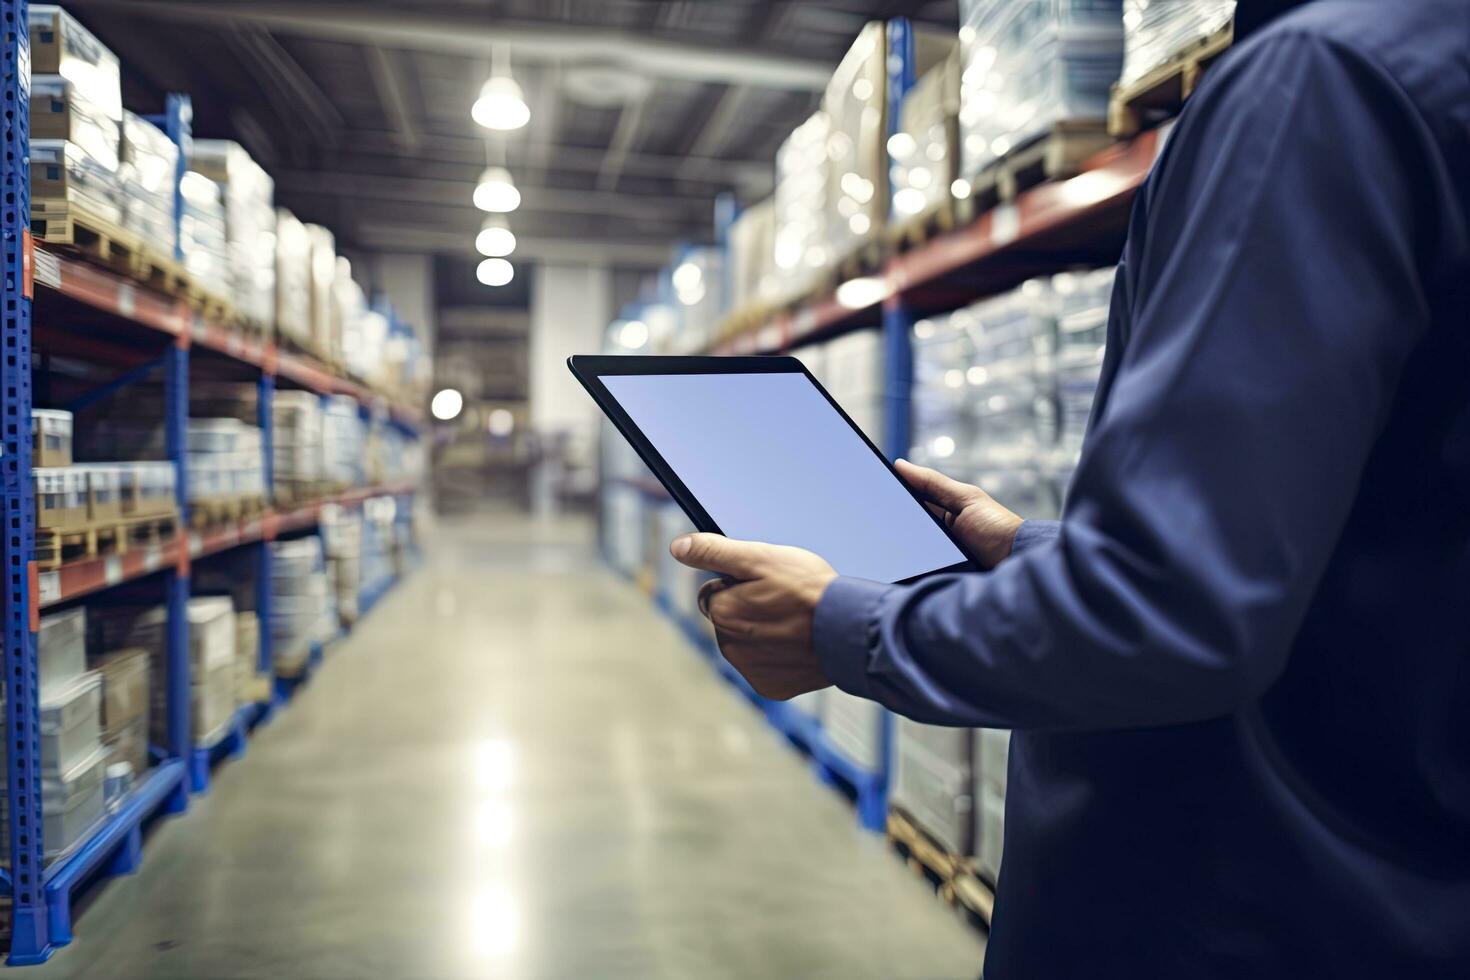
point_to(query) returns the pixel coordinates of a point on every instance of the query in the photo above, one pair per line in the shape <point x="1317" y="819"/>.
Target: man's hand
<point x="762" y="609"/>
<point x="986" y="528"/>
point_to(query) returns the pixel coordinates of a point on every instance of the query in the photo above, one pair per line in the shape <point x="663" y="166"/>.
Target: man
<point x="1239" y="668"/>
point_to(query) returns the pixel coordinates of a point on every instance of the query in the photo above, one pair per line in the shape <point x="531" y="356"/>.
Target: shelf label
<point x="112" y="570"/>
<point x="49" y="587"/>
<point x="152" y="557"/>
<point x="127" y="299"/>
<point x="1005" y="224"/>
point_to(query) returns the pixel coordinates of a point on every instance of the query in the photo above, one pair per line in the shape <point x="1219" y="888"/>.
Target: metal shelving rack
<point x="1078" y="220"/>
<point x="124" y="323"/>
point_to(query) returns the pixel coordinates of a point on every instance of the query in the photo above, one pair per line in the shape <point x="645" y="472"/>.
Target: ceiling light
<point x="495" y="272"/>
<point x="501" y="105"/>
<point x="496" y="191"/>
<point x="687" y="276"/>
<point x="861" y="293"/>
<point x="446" y="404"/>
<point x="633" y="335"/>
<point x="495" y="239"/>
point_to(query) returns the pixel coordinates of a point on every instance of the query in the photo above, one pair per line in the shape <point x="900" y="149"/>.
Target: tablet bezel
<point x="590" y="368"/>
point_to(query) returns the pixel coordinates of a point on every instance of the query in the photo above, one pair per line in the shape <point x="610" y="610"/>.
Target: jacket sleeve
<point x="1273" y="305"/>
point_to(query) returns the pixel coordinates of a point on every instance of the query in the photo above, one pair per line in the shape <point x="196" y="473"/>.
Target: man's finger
<point x="717" y="553"/>
<point x="933" y="485"/>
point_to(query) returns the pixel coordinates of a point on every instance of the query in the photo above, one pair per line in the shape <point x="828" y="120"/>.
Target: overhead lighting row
<point x="501" y="107"/>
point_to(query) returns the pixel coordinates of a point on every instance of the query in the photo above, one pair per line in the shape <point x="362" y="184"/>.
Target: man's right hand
<point x="986" y="529"/>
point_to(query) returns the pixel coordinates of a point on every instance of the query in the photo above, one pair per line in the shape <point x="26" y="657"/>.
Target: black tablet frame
<point x="590" y="368"/>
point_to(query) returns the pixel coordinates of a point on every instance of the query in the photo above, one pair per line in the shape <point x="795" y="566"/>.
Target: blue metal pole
<point x="29" y="938"/>
<point x="265" y="415"/>
<point x="176" y="433"/>
<point x="900" y="35"/>
<point x="177" y="123"/>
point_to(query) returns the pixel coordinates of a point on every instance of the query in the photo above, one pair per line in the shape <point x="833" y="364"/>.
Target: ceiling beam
<point x="630" y="120"/>
<point x="441" y="30"/>
<point x="716" y="128"/>
<point x="623" y="252"/>
<point x="389" y="82"/>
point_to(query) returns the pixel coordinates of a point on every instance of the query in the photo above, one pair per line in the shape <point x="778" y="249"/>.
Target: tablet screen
<point x="770" y="459"/>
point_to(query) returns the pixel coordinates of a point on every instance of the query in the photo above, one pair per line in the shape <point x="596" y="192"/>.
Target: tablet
<point x="755" y="449"/>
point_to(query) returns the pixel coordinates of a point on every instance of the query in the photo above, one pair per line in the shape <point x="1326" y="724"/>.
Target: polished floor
<point x="516" y="769"/>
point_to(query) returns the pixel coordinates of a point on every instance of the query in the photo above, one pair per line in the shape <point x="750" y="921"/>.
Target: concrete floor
<point x="516" y="769"/>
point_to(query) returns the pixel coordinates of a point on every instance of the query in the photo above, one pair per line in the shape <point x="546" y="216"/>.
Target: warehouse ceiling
<point x="641" y="112"/>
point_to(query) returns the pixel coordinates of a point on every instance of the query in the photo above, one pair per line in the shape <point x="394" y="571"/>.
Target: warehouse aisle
<point x="517" y="770"/>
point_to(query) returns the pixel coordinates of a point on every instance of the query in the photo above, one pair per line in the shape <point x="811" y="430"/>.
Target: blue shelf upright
<point x="30" y="936"/>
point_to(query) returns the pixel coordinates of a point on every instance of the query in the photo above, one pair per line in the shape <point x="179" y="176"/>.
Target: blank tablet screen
<point x="770" y="459"/>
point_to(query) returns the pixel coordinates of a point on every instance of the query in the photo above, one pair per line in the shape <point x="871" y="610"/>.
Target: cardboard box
<point x="293" y="309"/>
<point x="125" y="688"/>
<point x="61" y="646"/>
<point x="61" y="497"/>
<point x="60" y="111"/>
<point x="104" y="492"/>
<point x="129" y="743"/>
<point x="250" y="224"/>
<point x="51" y="441"/>
<point x="66" y="177"/>
<point x="322" y="281"/>
<point x="60" y="45"/>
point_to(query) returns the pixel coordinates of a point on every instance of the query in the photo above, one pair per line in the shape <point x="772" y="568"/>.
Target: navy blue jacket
<point x="1239" y="668"/>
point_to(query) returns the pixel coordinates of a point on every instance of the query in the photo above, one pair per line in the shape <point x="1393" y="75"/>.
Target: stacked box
<point x="147" y="178"/>
<point x="298" y="601"/>
<point x="202" y="235"/>
<point x="293" y="276"/>
<point x="342" y="536"/>
<point x="125" y="706"/>
<point x="104" y="492"/>
<point x="800" y="201"/>
<point x="250" y="226"/>
<point x="754" y="278"/>
<point x="343" y="438"/>
<point x="812" y="704"/>
<point x="365" y="351"/>
<point x="61" y="497"/>
<point x="992" y="749"/>
<point x="51" y="437"/>
<point x="854" y="727"/>
<point x="853" y="373"/>
<point x="226" y="460"/>
<point x="1083" y="300"/>
<point x="61" y="650"/>
<point x="153" y="485"/>
<point x="349" y="304"/>
<point x="935" y="781"/>
<point x="856" y="106"/>
<point x="321" y="289"/>
<point x="72" y="762"/>
<point x="252" y="685"/>
<point x="1030" y="64"/>
<point x="59" y="45"/>
<point x="1155" y="32"/>
<point x="296" y="447"/>
<point x="924" y="152"/>
<point x="64" y="177"/>
<point x="211" y="661"/>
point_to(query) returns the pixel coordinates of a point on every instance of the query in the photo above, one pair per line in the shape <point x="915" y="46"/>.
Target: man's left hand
<point x="762" y="609"/>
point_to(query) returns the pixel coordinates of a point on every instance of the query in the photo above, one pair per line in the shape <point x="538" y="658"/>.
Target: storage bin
<point x="51" y="433"/>
<point x="70" y="726"/>
<point x="61" y="497"/>
<point x="61" y="649"/>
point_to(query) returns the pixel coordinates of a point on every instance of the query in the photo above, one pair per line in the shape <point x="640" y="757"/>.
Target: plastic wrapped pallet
<point x="812" y="703"/>
<point x="322" y="279"/>
<point x="1083" y="300"/>
<point x="1156" y="31"/>
<point x="925" y="149"/>
<point x="147" y="175"/>
<point x="61" y="649"/>
<point x="72" y="804"/>
<point x="202" y="235"/>
<point x="855" y="103"/>
<point x="296" y="445"/>
<point x="935" y="781"/>
<point x="60" y="45"/>
<point x="342" y="544"/>
<point x="992" y="757"/>
<point x="854" y="726"/>
<point x="60" y="110"/>
<point x="1030" y="64"/>
<point x="293" y="310"/>
<point x="250" y="225"/>
<point x="343" y="438"/>
<point x="854" y="376"/>
<point x="299" y="601"/>
<point x="225" y="459"/>
<point x="252" y="685"/>
<point x="800" y="202"/>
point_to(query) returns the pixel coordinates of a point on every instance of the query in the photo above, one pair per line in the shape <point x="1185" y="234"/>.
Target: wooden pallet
<point x="1162" y="90"/>
<point x="57" y="546"/>
<point x="935" y="220"/>
<point x="225" y="510"/>
<point x="67" y="225"/>
<point x="953" y="877"/>
<point x="1055" y="154"/>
